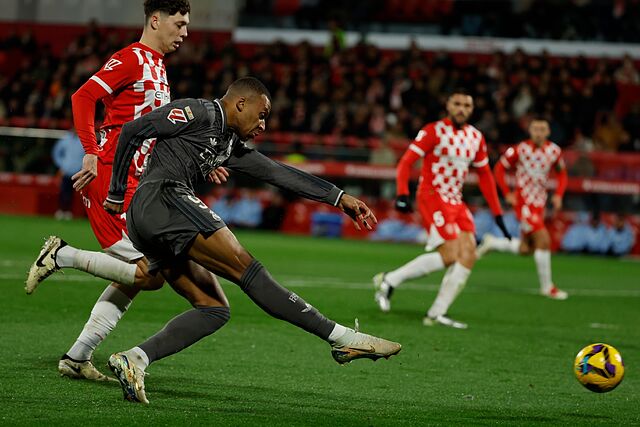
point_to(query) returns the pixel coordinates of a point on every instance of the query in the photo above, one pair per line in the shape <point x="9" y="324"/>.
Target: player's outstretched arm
<point x="259" y="166"/>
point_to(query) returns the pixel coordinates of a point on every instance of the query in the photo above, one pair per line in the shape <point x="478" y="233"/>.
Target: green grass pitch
<point x="512" y="366"/>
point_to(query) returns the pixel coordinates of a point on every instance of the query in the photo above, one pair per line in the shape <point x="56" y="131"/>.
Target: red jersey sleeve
<point x="118" y="72"/>
<point x="421" y="146"/>
<point x="485" y="179"/>
<point x="563" y="179"/>
<point x="507" y="161"/>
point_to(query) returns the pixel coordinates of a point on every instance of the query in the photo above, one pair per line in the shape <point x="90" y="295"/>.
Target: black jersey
<point x="192" y="140"/>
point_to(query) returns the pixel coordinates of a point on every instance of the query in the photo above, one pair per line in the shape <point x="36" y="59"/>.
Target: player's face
<point x="253" y="117"/>
<point x="172" y="30"/>
<point x="539" y="131"/>
<point x="460" y="107"/>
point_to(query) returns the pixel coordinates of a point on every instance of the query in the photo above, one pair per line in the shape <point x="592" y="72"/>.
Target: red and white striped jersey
<point x="533" y="165"/>
<point x="131" y="83"/>
<point x="447" y="152"/>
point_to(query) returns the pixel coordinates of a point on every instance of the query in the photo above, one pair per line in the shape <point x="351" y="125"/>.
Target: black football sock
<point x="281" y="303"/>
<point x="184" y="330"/>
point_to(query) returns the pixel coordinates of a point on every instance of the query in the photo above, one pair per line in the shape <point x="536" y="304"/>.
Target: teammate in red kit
<point x="447" y="148"/>
<point x="132" y="83"/>
<point x="533" y="160"/>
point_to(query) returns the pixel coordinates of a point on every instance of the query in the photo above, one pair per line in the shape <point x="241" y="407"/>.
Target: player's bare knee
<point x="146" y="281"/>
<point x="449" y="254"/>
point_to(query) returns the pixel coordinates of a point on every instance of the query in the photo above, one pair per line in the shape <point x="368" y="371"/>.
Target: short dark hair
<point x="170" y="7"/>
<point x="250" y="84"/>
<point x="460" y="91"/>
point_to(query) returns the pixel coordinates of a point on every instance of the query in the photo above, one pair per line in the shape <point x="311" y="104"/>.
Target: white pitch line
<point x="337" y="283"/>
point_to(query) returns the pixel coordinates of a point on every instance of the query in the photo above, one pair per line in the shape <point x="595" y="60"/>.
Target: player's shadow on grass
<point x="238" y="395"/>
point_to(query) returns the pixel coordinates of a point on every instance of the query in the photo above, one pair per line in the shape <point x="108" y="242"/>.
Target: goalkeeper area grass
<point x="514" y="365"/>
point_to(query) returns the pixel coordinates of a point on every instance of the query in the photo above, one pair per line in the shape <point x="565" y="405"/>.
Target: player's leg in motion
<point x="210" y="313"/>
<point x="221" y="253"/>
<point x="459" y="255"/>
<point x="541" y="242"/>
<point x="57" y="254"/>
<point x="386" y="283"/>
<point x="105" y="314"/>
<point x="491" y="242"/>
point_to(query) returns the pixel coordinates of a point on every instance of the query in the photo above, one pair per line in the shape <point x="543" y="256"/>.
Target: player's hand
<point x="88" y="172"/>
<point x="218" y="175"/>
<point x="503" y="228"/>
<point x="358" y="211"/>
<point x="556" y="201"/>
<point x="113" y="208"/>
<point x="403" y="204"/>
<point x="511" y="199"/>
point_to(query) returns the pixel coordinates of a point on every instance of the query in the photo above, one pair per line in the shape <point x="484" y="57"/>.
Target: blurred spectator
<point x="621" y="236"/>
<point x="382" y="154"/>
<point x="273" y="214"/>
<point x="67" y="155"/>
<point x="247" y="210"/>
<point x="597" y="236"/>
<point x="575" y="237"/>
<point x="609" y="133"/>
<point x="627" y="73"/>
<point x="337" y="39"/>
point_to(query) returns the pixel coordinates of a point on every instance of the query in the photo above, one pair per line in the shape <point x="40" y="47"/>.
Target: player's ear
<point x="154" y="21"/>
<point x="240" y="103"/>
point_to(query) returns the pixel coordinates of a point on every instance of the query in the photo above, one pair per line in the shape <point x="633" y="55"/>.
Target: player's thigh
<point x="222" y="254"/>
<point x="187" y="282"/>
<point x="467" y="248"/>
<point x="541" y="239"/>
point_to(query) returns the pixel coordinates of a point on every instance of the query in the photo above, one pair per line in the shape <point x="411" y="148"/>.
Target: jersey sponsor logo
<point x="111" y="64"/>
<point x="177" y="115"/>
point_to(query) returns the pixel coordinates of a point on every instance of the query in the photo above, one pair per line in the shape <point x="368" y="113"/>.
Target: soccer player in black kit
<point x="171" y="226"/>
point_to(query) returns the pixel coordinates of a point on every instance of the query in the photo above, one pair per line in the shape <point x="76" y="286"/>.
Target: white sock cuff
<point x="142" y="360"/>
<point x="65" y="256"/>
<point x="337" y="332"/>
<point x="105" y="266"/>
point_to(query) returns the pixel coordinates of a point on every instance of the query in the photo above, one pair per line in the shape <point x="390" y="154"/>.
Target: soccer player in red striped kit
<point x="533" y="161"/>
<point x="447" y="148"/>
<point x="131" y="83"/>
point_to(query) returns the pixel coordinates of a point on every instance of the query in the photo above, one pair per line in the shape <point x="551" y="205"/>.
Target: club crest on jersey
<point x="111" y="64"/>
<point x="177" y="115"/>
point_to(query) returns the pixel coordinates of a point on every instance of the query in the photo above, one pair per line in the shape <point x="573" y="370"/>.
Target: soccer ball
<point x="599" y="367"/>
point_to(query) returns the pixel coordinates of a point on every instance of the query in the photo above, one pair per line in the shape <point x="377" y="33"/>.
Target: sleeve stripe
<point x="102" y="83"/>
<point x="417" y="150"/>
<point x="481" y="163"/>
<point x="338" y="198"/>
<point x="505" y="163"/>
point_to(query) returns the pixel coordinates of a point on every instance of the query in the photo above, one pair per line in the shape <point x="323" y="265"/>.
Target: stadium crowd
<point x="610" y="20"/>
<point x="360" y="91"/>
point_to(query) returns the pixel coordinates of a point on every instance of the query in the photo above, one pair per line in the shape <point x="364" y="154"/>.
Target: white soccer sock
<point x="338" y="332"/>
<point x="97" y="264"/>
<point x="105" y="315"/>
<point x="543" y="265"/>
<point x="139" y="357"/>
<point x="502" y="244"/>
<point x="418" y="267"/>
<point x="452" y="284"/>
